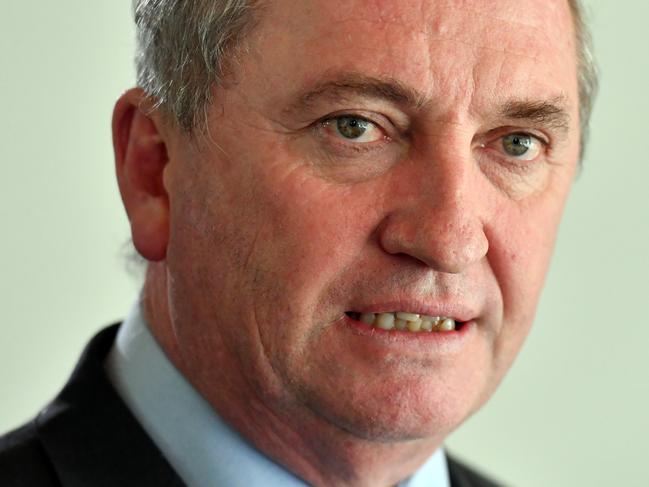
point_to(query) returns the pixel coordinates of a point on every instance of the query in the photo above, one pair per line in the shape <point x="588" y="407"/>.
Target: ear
<point x="140" y="160"/>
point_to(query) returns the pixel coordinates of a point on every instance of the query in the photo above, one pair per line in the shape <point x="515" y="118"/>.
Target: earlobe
<point x="140" y="161"/>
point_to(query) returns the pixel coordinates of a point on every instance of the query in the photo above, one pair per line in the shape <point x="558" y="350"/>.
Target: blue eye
<point x="351" y="127"/>
<point x="521" y="146"/>
<point x="354" y="129"/>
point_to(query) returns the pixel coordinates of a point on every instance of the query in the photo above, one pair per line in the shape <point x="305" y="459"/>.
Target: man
<point x="347" y="210"/>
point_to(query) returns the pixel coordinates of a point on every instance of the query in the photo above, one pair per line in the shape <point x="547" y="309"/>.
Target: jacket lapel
<point x="90" y="435"/>
<point x="462" y="476"/>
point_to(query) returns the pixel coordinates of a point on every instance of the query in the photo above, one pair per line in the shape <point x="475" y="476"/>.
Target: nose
<point x="441" y="224"/>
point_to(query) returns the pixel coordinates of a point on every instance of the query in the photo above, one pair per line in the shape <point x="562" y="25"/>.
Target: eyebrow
<point x="353" y="84"/>
<point x="551" y="112"/>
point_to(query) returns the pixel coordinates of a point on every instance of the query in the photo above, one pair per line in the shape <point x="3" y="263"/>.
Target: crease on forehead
<point x="533" y="25"/>
<point x="438" y="30"/>
<point x="446" y="19"/>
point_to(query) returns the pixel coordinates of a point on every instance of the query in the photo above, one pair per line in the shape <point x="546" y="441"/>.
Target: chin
<point x="407" y="411"/>
<point x="403" y="426"/>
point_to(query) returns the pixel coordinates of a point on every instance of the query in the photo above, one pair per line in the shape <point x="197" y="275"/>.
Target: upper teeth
<point x="408" y="321"/>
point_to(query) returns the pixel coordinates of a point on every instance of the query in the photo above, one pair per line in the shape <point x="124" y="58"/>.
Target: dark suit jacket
<point x="88" y="438"/>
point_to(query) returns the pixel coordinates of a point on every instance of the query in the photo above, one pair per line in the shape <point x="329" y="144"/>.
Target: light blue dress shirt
<point x="199" y="445"/>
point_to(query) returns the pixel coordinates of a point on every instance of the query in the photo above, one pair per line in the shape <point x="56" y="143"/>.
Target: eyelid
<point x="382" y="122"/>
<point x="332" y="118"/>
<point x="542" y="140"/>
<point x="500" y="132"/>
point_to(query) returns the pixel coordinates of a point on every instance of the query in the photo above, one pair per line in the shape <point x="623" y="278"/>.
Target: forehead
<point x="479" y="48"/>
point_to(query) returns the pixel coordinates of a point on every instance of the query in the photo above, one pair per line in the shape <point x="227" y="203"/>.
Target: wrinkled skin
<point x="263" y="232"/>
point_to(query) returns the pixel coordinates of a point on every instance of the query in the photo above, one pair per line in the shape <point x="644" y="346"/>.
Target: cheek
<point x="309" y="234"/>
<point x="521" y="244"/>
<point x="311" y="229"/>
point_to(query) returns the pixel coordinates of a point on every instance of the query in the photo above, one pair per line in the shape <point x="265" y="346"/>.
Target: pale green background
<point x="574" y="409"/>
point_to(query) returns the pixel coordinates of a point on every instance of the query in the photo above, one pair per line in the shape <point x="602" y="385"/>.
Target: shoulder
<point x="87" y="436"/>
<point x="462" y="475"/>
<point x="23" y="460"/>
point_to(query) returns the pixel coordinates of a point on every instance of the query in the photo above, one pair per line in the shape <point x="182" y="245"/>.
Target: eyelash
<point x="332" y="121"/>
<point x="543" y="142"/>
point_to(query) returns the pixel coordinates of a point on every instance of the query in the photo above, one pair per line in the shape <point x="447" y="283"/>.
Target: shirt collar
<point x="198" y="444"/>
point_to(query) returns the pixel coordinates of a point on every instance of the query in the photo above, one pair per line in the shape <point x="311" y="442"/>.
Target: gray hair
<point x="185" y="47"/>
<point x="587" y="73"/>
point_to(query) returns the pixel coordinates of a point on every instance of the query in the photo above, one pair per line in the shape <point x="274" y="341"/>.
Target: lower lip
<point x="421" y="338"/>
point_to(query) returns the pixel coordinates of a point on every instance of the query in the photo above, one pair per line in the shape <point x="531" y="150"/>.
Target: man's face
<point x="378" y="157"/>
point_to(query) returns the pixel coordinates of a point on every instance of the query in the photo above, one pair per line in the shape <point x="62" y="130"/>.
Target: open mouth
<point x="409" y="322"/>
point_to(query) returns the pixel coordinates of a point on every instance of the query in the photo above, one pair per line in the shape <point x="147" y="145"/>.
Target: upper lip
<point x="448" y="307"/>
